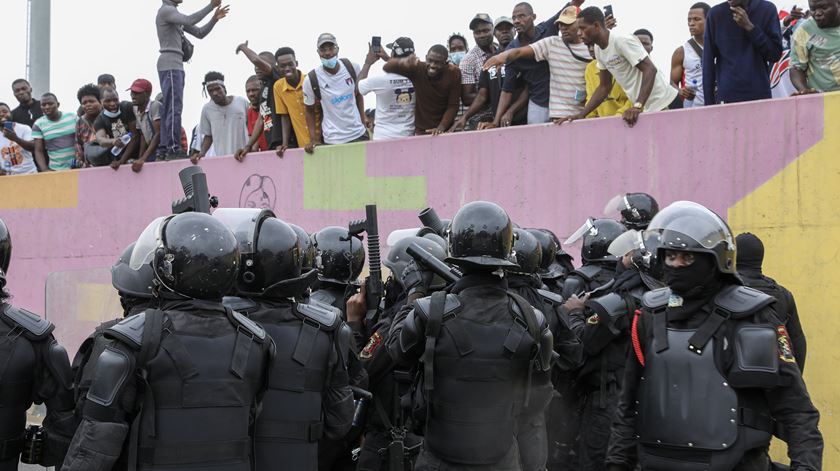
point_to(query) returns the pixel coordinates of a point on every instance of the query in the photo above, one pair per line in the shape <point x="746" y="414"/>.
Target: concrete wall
<point x="771" y="167"/>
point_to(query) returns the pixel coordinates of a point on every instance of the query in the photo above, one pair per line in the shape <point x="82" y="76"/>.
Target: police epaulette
<point x="741" y="301"/>
<point x="452" y="305"/>
<point x="34" y="327"/>
<point x="249" y="325"/>
<point x="129" y="330"/>
<point x="553" y="297"/>
<point x="656" y="299"/>
<point x="327" y="317"/>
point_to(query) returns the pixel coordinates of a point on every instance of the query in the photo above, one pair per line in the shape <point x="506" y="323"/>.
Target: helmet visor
<point x="243" y="222"/>
<point x="589" y="225"/>
<point x="694" y="221"/>
<point x="150" y="239"/>
<point x="616" y="205"/>
<point x="626" y="243"/>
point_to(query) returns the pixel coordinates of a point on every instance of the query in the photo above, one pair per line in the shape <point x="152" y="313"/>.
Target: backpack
<point x="313" y="77"/>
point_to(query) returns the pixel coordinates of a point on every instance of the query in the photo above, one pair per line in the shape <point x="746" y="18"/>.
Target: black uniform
<point x="308" y="393"/>
<point x="548" y="425"/>
<point x="183" y="383"/>
<point x="474" y="391"/>
<point x="34" y="368"/>
<point x="690" y="405"/>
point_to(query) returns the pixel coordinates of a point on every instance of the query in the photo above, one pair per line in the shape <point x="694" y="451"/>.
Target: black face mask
<point x="695" y="281"/>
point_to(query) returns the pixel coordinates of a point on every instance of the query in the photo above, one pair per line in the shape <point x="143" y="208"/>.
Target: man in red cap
<point x="148" y="121"/>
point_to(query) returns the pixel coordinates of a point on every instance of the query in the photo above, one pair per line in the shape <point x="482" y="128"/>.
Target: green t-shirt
<point x="816" y="51"/>
<point x="59" y="139"/>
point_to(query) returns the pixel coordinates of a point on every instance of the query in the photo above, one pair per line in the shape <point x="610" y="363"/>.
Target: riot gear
<point x="597" y="236"/>
<point x="269" y="249"/>
<point x="548" y="248"/>
<point x="398" y="259"/>
<point x="690" y="227"/>
<point x="528" y="252"/>
<point x="307" y="248"/>
<point x="637" y="209"/>
<point x="339" y="258"/>
<point x="193" y="255"/>
<point x="134" y="283"/>
<point x="481" y="235"/>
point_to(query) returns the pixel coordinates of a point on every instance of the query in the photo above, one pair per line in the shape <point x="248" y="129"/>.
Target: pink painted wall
<point x="545" y="176"/>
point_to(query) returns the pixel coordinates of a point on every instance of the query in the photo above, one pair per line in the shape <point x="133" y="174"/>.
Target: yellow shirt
<point x="288" y="100"/>
<point x="615" y="104"/>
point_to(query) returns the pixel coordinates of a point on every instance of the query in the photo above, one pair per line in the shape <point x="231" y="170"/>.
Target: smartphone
<point x="608" y="11"/>
<point x="10" y="125"/>
<point x="376" y="44"/>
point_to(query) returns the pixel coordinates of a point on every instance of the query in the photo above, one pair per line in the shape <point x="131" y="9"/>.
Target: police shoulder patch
<point x="374" y="343"/>
<point x="785" y="348"/>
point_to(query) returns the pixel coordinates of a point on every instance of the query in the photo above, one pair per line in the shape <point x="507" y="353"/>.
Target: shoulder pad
<point x="656" y="299"/>
<point x="588" y="272"/>
<point x="610" y="306"/>
<point x="327" y="317"/>
<point x="238" y="304"/>
<point x="323" y="297"/>
<point x="741" y="301"/>
<point x="34" y="327"/>
<point x="553" y="297"/>
<point x="129" y="330"/>
<point x="539" y="317"/>
<point x="451" y="306"/>
<point x="249" y="325"/>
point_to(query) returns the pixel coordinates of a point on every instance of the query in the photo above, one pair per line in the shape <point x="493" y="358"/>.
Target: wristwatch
<point x="639" y="105"/>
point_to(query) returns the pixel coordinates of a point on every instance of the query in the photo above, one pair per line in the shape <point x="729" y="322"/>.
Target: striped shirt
<point x="59" y="139"/>
<point x="568" y="75"/>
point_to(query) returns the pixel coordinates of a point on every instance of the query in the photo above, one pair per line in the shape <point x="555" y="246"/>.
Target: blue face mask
<point x="456" y="57"/>
<point x="330" y="63"/>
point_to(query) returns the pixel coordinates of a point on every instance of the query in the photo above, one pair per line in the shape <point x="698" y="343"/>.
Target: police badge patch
<point x="785" y="349"/>
<point x="593" y="319"/>
<point x="372" y="345"/>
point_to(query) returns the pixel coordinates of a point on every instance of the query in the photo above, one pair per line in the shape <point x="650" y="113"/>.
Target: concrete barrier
<point x="772" y="167"/>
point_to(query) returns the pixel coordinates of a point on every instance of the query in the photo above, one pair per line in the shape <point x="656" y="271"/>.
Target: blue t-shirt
<point x="535" y="74"/>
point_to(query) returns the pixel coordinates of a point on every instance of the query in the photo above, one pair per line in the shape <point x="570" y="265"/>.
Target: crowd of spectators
<point x="568" y="67"/>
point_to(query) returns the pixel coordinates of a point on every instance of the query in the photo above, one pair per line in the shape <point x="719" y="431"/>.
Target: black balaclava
<point x="750" y="254"/>
<point x="696" y="281"/>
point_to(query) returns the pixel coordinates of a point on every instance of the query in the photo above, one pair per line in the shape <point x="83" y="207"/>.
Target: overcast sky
<point x="90" y="37"/>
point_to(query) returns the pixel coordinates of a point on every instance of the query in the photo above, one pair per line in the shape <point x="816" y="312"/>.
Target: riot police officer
<point x="523" y="280"/>
<point x="34" y="368"/>
<point x="636" y="209"/>
<point x="339" y="259"/>
<point x="598" y="265"/>
<point x="135" y="290"/>
<point x="390" y="442"/>
<point x="712" y="374"/>
<point x="308" y="393"/>
<point x="479" y="346"/>
<point x="603" y="324"/>
<point x="750" y="260"/>
<point x="180" y="383"/>
<point x="556" y="264"/>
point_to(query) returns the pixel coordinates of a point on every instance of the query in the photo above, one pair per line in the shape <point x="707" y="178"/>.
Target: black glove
<point x="416" y="279"/>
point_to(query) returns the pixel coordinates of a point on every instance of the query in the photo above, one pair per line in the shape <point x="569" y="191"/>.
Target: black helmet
<point x="528" y="252"/>
<point x="307" y="248"/>
<point x="597" y="235"/>
<point x="135" y="283"/>
<point x="5" y="252"/>
<point x="691" y="227"/>
<point x="481" y="235"/>
<point x="193" y="255"/>
<point x="268" y="248"/>
<point x="637" y="209"/>
<point x="398" y="259"/>
<point x="548" y="247"/>
<point x="339" y="258"/>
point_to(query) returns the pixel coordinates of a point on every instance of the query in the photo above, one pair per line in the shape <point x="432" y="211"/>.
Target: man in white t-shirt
<point x="625" y="59"/>
<point x="16" y="145"/>
<point x="394" y="93"/>
<point x="224" y="119"/>
<point x="333" y="85"/>
<point x="567" y="58"/>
